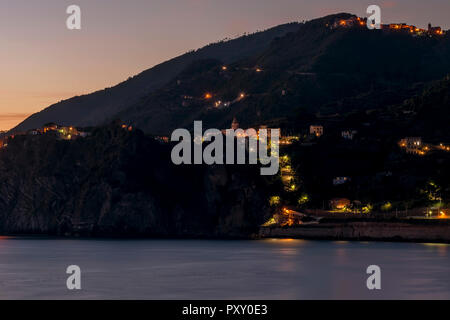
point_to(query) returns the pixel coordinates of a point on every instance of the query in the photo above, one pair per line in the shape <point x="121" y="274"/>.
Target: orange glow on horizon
<point x="10" y="120"/>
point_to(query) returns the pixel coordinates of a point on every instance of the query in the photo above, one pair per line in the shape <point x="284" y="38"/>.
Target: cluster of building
<point x="314" y="130"/>
<point x="412" y="145"/>
<point x="348" y="23"/>
<point x="318" y="131"/>
<point x="415" y="145"/>
<point x="413" y="29"/>
<point x="62" y="132"/>
<point x="65" y="133"/>
<point x="283" y="140"/>
<point x="362" y="22"/>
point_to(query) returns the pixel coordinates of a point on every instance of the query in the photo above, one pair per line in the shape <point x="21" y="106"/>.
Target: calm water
<point x="189" y="269"/>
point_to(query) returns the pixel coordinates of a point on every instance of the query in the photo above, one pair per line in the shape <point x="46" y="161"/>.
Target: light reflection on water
<point x="201" y="269"/>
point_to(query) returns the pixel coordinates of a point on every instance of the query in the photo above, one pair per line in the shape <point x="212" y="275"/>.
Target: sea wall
<point x="382" y="231"/>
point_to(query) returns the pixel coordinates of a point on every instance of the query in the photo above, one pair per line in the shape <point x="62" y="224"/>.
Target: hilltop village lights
<point x="411" y="29"/>
<point x="250" y="142"/>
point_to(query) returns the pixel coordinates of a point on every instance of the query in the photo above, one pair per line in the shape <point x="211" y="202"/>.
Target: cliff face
<point x="117" y="182"/>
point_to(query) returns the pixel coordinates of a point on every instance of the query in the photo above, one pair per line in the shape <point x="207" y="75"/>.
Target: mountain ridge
<point x="97" y="107"/>
<point x="311" y="66"/>
<point x="318" y="68"/>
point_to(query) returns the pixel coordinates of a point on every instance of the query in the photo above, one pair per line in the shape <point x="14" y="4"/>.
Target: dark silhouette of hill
<point x="117" y="182"/>
<point x="95" y="108"/>
<point x="319" y="69"/>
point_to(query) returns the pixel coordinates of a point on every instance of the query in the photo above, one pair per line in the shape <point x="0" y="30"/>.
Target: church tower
<point x="235" y="124"/>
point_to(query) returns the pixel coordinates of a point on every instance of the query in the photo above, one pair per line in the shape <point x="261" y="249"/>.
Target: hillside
<point x="288" y="74"/>
<point x="117" y="182"/>
<point x="382" y="86"/>
<point x="432" y="111"/>
<point x="379" y="171"/>
<point x="317" y="70"/>
<point x="97" y="107"/>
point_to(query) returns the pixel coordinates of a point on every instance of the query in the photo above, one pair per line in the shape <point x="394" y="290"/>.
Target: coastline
<point x="410" y="230"/>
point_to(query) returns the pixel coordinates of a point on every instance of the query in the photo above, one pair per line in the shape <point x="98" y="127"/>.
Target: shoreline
<point x="353" y="230"/>
<point x="343" y="230"/>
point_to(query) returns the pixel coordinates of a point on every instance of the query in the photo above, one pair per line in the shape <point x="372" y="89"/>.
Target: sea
<point x="37" y="268"/>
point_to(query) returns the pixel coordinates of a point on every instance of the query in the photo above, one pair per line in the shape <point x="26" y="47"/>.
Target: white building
<point x="411" y="144"/>
<point x="349" y="134"/>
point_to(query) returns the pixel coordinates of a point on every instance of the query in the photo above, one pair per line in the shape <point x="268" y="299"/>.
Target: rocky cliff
<point x="117" y="182"/>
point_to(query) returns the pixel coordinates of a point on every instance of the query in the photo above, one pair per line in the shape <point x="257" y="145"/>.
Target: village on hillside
<point x="414" y="146"/>
<point x="306" y="136"/>
<point x="61" y="132"/>
<point x="362" y="22"/>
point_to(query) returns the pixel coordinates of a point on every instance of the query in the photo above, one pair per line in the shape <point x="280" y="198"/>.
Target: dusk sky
<point x="42" y="62"/>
